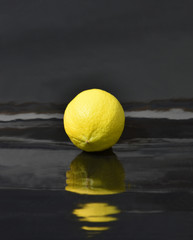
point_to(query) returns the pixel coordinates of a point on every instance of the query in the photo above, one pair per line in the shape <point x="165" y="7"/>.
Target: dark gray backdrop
<point x="138" y="49"/>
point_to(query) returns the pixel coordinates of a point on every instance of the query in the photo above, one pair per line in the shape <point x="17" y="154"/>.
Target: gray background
<point x="139" y="50"/>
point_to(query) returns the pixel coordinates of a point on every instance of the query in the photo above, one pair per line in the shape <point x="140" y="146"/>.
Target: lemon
<point x="94" y="120"/>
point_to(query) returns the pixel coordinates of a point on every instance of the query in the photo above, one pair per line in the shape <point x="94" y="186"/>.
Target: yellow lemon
<point x="94" y="120"/>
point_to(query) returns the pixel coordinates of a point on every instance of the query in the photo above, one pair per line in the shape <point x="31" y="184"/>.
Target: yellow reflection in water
<point x="95" y="228"/>
<point x="96" y="213"/>
<point x="96" y="174"/>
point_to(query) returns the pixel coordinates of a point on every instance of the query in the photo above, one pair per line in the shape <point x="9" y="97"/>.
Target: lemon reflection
<point x="96" y="213"/>
<point x="96" y="174"/>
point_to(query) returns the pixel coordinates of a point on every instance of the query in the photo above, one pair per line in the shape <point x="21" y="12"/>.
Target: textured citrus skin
<point x="94" y="120"/>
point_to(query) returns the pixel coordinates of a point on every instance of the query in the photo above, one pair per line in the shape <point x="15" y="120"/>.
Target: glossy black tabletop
<point x="140" y="189"/>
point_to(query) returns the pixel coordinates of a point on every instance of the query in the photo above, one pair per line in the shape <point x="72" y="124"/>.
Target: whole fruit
<point x="94" y="120"/>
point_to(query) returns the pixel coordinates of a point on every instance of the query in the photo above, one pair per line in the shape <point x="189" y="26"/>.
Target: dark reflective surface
<point x="96" y="174"/>
<point x="151" y="181"/>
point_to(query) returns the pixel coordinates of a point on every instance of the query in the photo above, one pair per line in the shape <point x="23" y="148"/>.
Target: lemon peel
<point x="94" y="120"/>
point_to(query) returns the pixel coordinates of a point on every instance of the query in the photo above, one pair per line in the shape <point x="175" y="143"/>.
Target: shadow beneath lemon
<point x="98" y="173"/>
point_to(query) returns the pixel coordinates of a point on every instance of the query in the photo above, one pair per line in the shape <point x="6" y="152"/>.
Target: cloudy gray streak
<point x="138" y="50"/>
